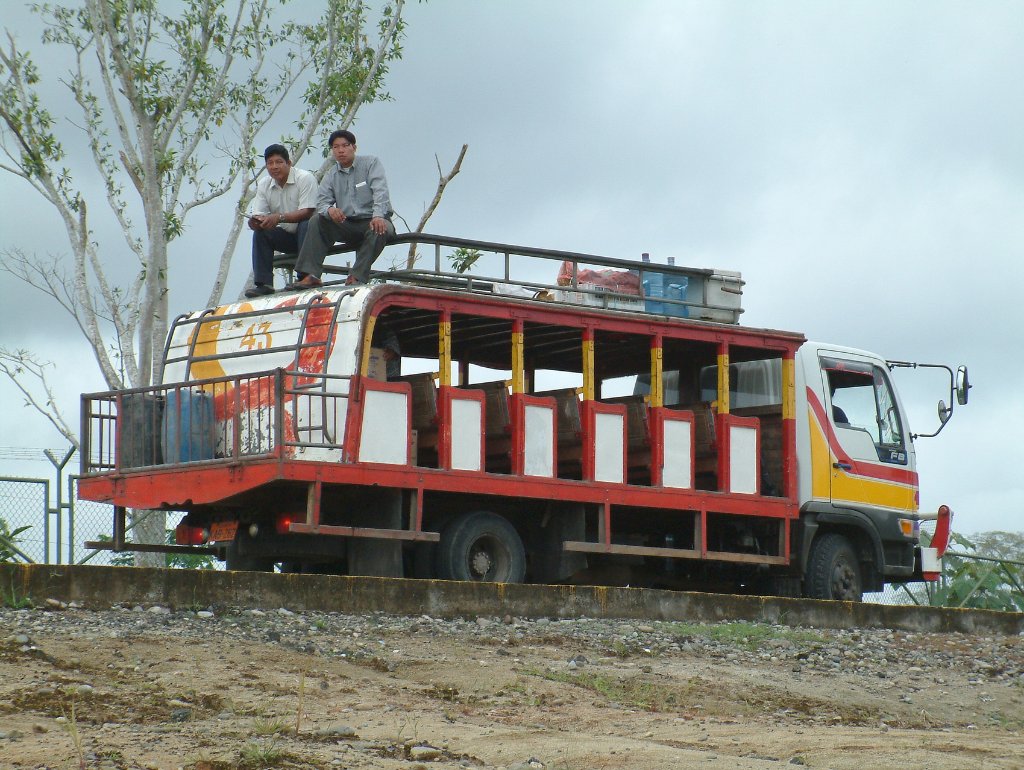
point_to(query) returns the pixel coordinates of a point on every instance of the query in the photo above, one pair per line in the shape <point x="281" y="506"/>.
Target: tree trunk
<point x="148" y="527"/>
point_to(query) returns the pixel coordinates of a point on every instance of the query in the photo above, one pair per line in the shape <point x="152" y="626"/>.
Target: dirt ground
<point x="219" y="691"/>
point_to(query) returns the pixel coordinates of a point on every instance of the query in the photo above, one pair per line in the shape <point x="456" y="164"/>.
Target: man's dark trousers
<point x="266" y="242"/>
<point x="324" y="232"/>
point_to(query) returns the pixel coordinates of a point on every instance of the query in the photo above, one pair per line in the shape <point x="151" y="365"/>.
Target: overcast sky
<point x="861" y="163"/>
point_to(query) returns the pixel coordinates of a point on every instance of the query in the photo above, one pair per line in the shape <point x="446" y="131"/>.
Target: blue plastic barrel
<point x="677" y="291"/>
<point x="654" y="290"/>
<point x="187" y="433"/>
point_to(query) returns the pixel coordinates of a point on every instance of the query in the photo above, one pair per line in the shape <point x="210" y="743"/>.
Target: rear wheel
<point x="481" y="547"/>
<point x="833" y="571"/>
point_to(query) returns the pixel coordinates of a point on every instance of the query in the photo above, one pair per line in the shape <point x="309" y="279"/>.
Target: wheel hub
<point x="481" y="563"/>
<point x="843" y="580"/>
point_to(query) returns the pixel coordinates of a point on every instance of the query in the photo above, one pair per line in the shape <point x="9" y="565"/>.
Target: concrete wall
<point x="100" y="587"/>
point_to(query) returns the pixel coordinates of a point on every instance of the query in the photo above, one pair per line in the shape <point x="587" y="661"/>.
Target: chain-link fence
<point x="89" y="521"/>
<point x="25" y="503"/>
<point x="967" y="580"/>
<point x="57" y="524"/>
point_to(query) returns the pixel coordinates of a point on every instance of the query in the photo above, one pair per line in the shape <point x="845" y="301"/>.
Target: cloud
<point x="860" y="163"/>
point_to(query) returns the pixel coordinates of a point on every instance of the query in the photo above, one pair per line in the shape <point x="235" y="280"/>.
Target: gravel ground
<point x="218" y="689"/>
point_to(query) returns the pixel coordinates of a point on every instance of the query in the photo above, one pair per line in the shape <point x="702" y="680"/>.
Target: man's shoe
<point x="259" y="290"/>
<point x="308" y="282"/>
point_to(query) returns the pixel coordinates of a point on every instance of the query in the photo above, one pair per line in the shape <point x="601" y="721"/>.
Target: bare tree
<point x="171" y="106"/>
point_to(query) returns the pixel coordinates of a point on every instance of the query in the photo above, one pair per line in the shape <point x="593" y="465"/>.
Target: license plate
<point x="223" y="530"/>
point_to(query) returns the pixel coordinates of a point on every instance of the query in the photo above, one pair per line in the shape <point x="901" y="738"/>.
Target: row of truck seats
<point x="569" y="431"/>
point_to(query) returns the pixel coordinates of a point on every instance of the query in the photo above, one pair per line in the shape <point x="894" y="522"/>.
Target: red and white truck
<point x="538" y="433"/>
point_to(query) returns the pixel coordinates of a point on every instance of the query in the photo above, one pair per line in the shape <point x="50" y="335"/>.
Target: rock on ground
<point x="217" y="689"/>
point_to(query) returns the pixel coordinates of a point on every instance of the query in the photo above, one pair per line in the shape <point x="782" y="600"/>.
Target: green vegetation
<point x="9" y="550"/>
<point x="991" y="577"/>
<point x="14" y="601"/>
<point x="71" y="725"/>
<point x="260" y="754"/>
<point x="463" y="259"/>
<point x="187" y="560"/>
<point x="632" y="692"/>
<point x="266" y="727"/>
<point x="749" y="636"/>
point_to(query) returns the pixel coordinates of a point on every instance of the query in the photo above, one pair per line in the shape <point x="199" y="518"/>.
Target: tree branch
<point x="442" y="183"/>
<point x="104" y="54"/>
<point x="378" y="58"/>
<point x="19" y="364"/>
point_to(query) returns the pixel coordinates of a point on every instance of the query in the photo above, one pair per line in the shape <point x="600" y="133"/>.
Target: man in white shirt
<point x="285" y="200"/>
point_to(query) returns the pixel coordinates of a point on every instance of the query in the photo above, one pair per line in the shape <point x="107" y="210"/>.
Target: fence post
<point x="70" y="504"/>
<point x="61" y="505"/>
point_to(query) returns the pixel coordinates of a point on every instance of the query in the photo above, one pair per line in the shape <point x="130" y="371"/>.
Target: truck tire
<point x="833" y="571"/>
<point x="481" y="547"/>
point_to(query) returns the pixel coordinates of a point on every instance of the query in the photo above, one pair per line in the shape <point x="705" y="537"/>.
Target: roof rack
<point x="684" y="292"/>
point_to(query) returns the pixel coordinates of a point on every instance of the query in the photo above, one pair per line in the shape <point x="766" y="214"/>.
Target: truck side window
<point x="889" y="424"/>
<point x="862" y="394"/>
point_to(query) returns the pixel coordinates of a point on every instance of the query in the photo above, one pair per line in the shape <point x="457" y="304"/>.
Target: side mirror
<point x="959" y="386"/>
<point x="963" y="385"/>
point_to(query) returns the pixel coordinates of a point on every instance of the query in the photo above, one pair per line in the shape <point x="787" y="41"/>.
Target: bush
<point x="978" y="580"/>
<point x="9" y="550"/>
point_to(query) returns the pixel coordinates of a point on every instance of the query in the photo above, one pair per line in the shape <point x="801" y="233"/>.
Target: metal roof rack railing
<point x="709" y="294"/>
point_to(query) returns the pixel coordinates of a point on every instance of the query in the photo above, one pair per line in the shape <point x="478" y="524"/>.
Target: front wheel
<point x="481" y="547"/>
<point x="833" y="571"/>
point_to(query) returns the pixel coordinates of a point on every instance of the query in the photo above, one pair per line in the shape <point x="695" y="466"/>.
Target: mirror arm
<point x="952" y="391"/>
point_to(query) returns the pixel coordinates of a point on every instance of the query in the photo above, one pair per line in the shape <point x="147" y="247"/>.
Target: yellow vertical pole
<point x="657" y="396"/>
<point x="364" y="365"/>
<point x="518" y="360"/>
<point x="788" y="388"/>
<point x="589" y="384"/>
<point x="723" y="378"/>
<point x="444" y="348"/>
<point x="789" y="424"/>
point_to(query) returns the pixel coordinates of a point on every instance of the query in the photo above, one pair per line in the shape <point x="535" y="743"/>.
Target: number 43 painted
<point x="249" y="338"/>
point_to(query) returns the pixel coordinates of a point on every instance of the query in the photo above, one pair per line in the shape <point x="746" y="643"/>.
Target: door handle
<point x="843" y="466"/>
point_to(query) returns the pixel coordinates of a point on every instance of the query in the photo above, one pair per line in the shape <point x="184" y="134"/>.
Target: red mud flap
<point x="931" y="556"/>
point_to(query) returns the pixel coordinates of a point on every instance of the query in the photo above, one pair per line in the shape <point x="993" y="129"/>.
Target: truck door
<point x="873" y="465"/>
